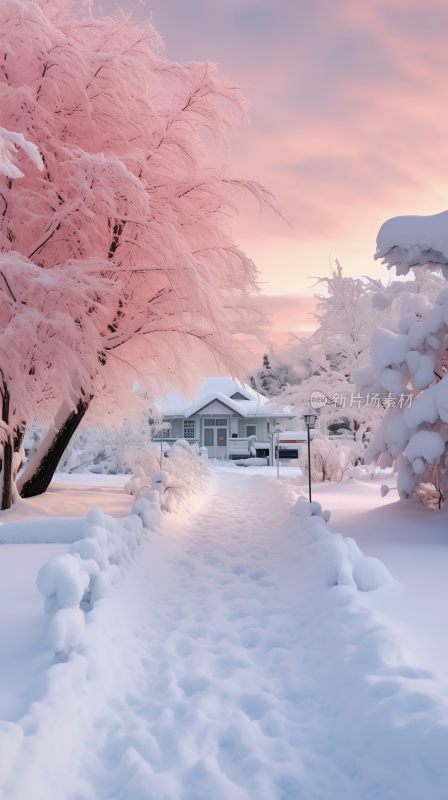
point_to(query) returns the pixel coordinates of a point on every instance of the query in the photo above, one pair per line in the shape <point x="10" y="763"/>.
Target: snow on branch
<point x="10" y="145"/>
<point x="413" y="241"/>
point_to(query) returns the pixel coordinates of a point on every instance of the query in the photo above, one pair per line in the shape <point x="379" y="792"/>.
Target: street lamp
<point x="278" y="429"/>
<point x="165" y="426"/>
<point x="310" y="420"/>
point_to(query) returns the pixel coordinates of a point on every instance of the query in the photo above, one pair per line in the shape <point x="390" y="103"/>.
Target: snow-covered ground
<point x="23" y="657"/>
<point x="227" y="665"/>
<point x="413" y="543"/>
<point x="41" y="529"/>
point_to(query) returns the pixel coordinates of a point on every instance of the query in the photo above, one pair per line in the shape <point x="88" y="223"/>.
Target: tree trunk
<point x="18" y="437"/>
<point x="7" y="493"/>
<point x="7" y="461"/>
<point x="41" y="467"/>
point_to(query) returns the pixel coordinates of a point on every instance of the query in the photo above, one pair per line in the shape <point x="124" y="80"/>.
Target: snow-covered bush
<point x="108" y="449"/>
<point x="73" y="582"/>
<point x="184" y="471"/>
<point x="340" y="559"/>
<point x="331" y="460"/>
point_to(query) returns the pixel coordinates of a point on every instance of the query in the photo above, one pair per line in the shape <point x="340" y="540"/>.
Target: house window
<point x="189" y="429"/>
<point x="211" y="422"/>
<point x="251" y="430"/>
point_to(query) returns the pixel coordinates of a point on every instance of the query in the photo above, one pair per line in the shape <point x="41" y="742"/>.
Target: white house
<point x="227" y="417"/>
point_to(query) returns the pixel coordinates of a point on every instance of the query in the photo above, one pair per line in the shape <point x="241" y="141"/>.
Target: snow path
<point x="214" y="714"/>
<point x="224" y="668"/>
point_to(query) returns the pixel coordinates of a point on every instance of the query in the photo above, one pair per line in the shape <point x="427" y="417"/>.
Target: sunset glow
<point x="347" y="120"/>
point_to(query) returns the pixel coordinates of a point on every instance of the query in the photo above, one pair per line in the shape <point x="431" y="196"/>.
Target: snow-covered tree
<point x="132" y="179"/>
<point x="346" y="315"/>
<point x="274" y="375"/>
<point x="410" y="358"/>
<point x="50" y="322"/>
<point x="414" y="241"/>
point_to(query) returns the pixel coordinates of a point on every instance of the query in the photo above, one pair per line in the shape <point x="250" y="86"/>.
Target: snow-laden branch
<point x="414" y="241"/>
<point x="11" y="144"/>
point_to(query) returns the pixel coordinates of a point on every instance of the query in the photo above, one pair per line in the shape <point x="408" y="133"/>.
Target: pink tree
<point x="133" y="181"/>
<point x="50" y="322"/>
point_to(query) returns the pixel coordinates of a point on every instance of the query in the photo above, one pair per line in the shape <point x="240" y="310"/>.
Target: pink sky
<point x="348" y="123"/>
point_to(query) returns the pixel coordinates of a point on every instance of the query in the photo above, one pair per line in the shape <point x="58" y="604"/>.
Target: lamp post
<point x="165" y="426"/>
<point x="278" y="429"/>
<point x="310" y="420"/>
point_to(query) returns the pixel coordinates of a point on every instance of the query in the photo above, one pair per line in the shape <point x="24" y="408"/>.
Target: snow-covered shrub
<point x="341" y="560"/>
<point x="72" y="583"/>
<point x="184" y="471"/>
<point x="331" y="460"/>
<point x="108" y="449"/>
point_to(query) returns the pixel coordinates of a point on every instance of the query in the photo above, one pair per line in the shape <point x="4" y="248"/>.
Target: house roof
<point x="222" y="389"/>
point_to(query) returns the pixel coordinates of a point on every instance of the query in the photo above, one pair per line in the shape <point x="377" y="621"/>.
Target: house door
<point x="215" y="437"/>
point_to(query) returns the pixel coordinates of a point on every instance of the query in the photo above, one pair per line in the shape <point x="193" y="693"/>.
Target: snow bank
<point x="340" y="560"/>
<point x="40" y="531"/>
<point x="73" y="582"/>
<point x="184" y="471"/>
<point x="75" y="586"/>
<point x="388" y="719"/>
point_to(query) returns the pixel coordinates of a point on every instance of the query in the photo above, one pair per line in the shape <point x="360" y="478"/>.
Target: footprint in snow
<point x="191" y="686"/>
<point x="258" y="574"/>
<point x="250" y="638"/>
<point x="255" y="706"/>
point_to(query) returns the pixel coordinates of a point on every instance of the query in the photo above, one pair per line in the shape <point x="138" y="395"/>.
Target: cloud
<point x="288" y="314"/>
<point x="348" y="116"/>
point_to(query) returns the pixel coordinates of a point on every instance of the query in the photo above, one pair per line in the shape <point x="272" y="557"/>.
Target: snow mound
<point x="65" y="631"/>
<point x="369" y="573"/>
<point x="62" y="582"/>
<point x="74" y="582"/>
<point x="340" y="560"/>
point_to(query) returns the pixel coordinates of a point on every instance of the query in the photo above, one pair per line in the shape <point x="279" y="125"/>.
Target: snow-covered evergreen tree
<point x="274" y="375"/>
<point x="409" y="356"/>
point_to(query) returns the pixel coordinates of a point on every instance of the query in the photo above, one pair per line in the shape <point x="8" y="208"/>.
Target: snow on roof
<point x="410" y="241"/>
<point x="221" y="389"/>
